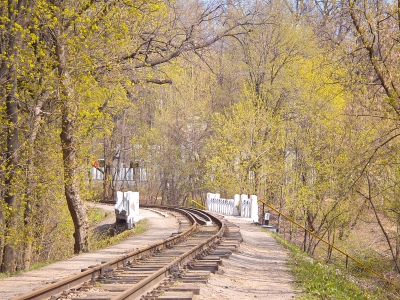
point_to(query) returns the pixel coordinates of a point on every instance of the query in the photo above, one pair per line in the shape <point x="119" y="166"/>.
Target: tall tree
<point x="280" y="141"/>
<point x="146" y="43"/>
<point x="377" y="27"/>
<point x="15" y="18"/>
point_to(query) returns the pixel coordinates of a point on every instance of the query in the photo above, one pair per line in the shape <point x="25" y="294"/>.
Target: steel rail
<point x="143" y="286"/>
<point x="90" y="274"/>
<point x="201" y="214"/>
<point x="201" y="217"/>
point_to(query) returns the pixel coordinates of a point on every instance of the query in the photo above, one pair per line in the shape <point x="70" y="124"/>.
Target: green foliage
<point x="95" y="215"/>
<point x="290" y="109"/>
<point x="318" y="280"/>
<point x="280" y="139"/>
<point x="236" y="147"/>
<point x="361" y="250"/>
<point x="170" y="137"/>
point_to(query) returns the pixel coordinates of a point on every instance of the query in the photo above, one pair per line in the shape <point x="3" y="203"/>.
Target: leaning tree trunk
<point x="68" y="143"/>
<point x="75" y="204"/>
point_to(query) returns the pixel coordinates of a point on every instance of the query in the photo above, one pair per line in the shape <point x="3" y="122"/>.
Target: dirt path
<point x="257" y="270"/>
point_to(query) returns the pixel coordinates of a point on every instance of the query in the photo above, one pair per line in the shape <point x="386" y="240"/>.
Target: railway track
<point x="167" y="270"/>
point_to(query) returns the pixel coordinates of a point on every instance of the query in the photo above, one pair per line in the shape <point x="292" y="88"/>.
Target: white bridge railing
<point x="123" y="174"/>
<point x="240" y="205"/>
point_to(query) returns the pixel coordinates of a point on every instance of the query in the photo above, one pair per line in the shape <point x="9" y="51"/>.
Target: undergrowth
<point x="95" y="215"/>
<point x="110" y="237"/>
<point x="32" y="267"/>
<point x="318" y="280"/>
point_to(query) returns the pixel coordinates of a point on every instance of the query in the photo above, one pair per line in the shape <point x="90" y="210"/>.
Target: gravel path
<point x="257" y="270"/>
<point x="159" y="229"/>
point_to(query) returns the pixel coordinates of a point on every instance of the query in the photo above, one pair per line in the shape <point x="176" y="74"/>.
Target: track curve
<point x="197" y="246"/>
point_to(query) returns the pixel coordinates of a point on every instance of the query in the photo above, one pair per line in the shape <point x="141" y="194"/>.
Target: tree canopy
<point x="295" y="101"/>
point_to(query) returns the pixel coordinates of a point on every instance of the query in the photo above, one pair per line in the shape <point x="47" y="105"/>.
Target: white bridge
<point x="240" y="205"/>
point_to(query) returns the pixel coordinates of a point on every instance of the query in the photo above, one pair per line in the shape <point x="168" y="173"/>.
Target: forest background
<point x="296" y="101"/>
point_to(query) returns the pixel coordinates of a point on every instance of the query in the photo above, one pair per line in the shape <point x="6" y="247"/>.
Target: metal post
<point x="263" y="213"/>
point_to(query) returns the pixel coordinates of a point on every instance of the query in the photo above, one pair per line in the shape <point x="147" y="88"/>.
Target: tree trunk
<point x="108" y="167"/>
<point x="30" y="189"/>
<point x="12" y="160"/>
<point x="381" y="226"/>
<point x="75" y="204"/>
<point x="8" y="77"/>
<point x="68" y="144"/>
<point x="19" y="12"/>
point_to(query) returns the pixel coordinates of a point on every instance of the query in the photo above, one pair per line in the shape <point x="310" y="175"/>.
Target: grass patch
<point x="31" y="268"/>
<point x="319" y="280"/>
<point x="95" y="215"/>
<point x="110" y="237"/>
